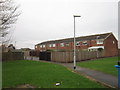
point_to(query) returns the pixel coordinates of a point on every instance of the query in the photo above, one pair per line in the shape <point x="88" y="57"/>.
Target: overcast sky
<point x="43" y="20"/>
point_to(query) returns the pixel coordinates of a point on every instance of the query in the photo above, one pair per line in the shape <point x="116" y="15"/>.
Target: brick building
<point x="106" y="41"/>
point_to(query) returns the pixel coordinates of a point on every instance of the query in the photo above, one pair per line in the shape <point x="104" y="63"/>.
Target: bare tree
<point x="8" y="17"/>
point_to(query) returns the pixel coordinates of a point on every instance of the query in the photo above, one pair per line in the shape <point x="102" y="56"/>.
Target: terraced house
<point x="106" y="41"/>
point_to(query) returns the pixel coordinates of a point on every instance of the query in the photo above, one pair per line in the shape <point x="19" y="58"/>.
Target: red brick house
<point x="106" y="41"/>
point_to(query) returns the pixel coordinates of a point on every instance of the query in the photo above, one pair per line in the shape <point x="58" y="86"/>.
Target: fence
<point x="80" y="55"/>
<point x="31" y="55"/>
<point x="62" y="56"/>
<point x="119" y="52"/>
<point x="9" y="56"/>
<point x="45" y="56"/>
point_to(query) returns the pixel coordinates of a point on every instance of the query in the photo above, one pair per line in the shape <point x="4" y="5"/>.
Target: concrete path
<point x="100" y="77"/>
<point x="105" y="79"/>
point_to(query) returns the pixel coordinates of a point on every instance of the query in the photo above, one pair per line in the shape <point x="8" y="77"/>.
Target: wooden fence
<point x="80" y="55"/>
<point x="10" y="56"/>
<point x="119" y="52"/>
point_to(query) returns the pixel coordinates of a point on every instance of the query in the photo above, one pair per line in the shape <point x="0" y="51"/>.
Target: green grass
<point x="105" y="65"/>
<point x="42" y="75"/>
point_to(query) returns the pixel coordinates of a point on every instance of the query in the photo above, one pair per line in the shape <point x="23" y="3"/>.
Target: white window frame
<point x="100" y="41"/>
<point x="77" y="43"/>
<point x="50" y="45"/>
<point x="113" y="42"/>
<point x="41" y="46"/>
<point x="53" y="45"/>
<point x="67" y="44"/>
<point x="62" y="44"/>
<point x="36" y="46"/>
<point x="84" y="43"/>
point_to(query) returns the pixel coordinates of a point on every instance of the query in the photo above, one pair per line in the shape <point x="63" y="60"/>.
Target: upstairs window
<point x="53" y="45"/>
<point x="41" y="46"/>
<point x="113" y="42"/>
<point x="99" y="41"/>
<point x="36" y="46"/>
<point x="77" y="43"/>
<point x="84" y="43"/>
<point x="97" y="37"/>
<point x="50" y="45"/>
<point x="67" y="44"/>
<point x="62" y="44"/>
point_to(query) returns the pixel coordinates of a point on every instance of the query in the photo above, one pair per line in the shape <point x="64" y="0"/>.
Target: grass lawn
<point x="42" y="75"/>
<point x="105" y="65"/>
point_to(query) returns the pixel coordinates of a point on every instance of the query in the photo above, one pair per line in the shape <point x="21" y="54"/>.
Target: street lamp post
<point x="75" y="42"/>
<point x="1" y="33"/>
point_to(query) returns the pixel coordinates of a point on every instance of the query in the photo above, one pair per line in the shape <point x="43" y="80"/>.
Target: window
<point x="84" y="43"/>
<point x="54" y="45"/>
<point x="50" y="45"/>
<point x="97" y="37"/>
<point x="43" y="46"/>
<point x="99" y="41"/>
<point x="35" y="46"/>
<point x="113" y="42"/>
<point x="77" y="43"/>
<point x="67" y="44"/>
<point x="92" y="49"/>
<point x="62" y="44"/>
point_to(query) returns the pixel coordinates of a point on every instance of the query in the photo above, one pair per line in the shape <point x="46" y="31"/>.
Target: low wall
<point x="31" y="58"/>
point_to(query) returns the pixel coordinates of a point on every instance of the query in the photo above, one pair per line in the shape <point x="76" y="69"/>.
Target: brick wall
<point x="70" y="47"/>
<point x="111" y="46"/>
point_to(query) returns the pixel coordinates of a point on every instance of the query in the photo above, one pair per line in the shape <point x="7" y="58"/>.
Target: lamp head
<point x="76" y="15"/>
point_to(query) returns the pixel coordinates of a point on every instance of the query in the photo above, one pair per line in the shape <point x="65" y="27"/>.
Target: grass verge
<point x="42" y="75"/>
<point x="105" y="65"/>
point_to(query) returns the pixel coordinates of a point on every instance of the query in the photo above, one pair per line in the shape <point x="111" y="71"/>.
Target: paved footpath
<point x="103" y="78"/>
<point x="100" y="77"/>
<point x="106" y="79"/>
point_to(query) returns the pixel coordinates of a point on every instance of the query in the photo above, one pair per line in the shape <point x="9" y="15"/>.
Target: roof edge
<point x="108" y="35"/>
<point x="77" y="37"/>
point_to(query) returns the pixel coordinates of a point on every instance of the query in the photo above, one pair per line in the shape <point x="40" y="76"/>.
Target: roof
<point x="25" y="49"/>
<point x="96" y="47"/>
<point x="82" y="38"/>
